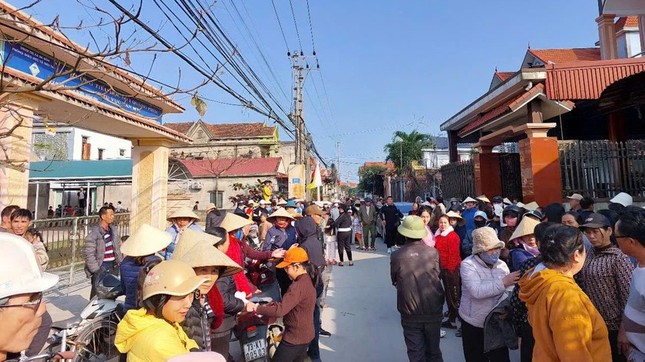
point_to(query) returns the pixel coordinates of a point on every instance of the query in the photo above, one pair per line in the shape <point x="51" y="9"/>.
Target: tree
<point x="405" y="148"/>
<point x="371" y="179"/>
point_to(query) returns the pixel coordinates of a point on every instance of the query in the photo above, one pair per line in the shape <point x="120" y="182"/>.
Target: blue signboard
<point x="29" y="61"/>
<point x="295" y="180"/>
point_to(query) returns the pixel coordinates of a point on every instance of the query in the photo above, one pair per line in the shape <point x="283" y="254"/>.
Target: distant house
<point x="434" y="158"/>
<point x="226" y="140"/>
<point x="64" y="142"/>
<point x="214" y="180"/>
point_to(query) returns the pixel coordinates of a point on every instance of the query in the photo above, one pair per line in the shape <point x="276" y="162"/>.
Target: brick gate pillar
<point x="149" y="183"/>
<point x="540" y="164"/>
<point x="487" y="172"/>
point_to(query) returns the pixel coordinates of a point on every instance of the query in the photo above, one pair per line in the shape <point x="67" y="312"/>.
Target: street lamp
<point x="399" y="139"/>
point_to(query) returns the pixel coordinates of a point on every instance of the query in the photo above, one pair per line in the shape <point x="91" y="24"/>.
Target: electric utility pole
<point x="298" y="61"/>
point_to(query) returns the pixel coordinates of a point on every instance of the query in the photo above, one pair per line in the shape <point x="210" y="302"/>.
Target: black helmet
<point x="511" y="210"/>
<point x="534" y="213"/>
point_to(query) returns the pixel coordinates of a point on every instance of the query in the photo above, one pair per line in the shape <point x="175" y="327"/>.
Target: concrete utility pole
<point x="298" y="62"/>
<point x="336" y="189"/>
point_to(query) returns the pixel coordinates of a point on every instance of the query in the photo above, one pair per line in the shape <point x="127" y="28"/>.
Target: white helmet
<point x="19" y="270"/>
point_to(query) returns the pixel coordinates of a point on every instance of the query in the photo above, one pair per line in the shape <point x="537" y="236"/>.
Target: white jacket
<point x="481" y="287"/>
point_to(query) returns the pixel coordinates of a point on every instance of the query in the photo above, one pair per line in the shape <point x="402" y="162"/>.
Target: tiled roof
<point x="228" y="130"/>
<point x="558" y="56"/>
<point x="230" y="167"/>
<point x="587" y="80"/>
<point x="78" y="170"/>
<point x="507" y="107"/>
<point x="387" y="165"/>
<point x="626" y="22"/>
<point x="181" y="127"/>
<point x="503" y="76"/>
<point x="240" y="130"/>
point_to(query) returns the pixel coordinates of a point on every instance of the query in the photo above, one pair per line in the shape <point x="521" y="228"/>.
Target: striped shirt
<point x="109" y="247"/>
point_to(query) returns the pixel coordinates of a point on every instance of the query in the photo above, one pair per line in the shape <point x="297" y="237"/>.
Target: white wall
<point x="112" y="146"/>
<point x="629" y="44"/>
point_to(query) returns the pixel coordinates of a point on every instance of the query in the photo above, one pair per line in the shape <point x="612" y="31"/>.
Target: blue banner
<point x="32" y="62"/>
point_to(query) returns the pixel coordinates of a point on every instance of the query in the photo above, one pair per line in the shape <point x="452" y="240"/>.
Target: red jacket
<point x="448" y="248"/>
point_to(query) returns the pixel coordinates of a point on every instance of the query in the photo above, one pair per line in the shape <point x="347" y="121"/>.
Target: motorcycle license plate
<point x="254" y="350"/>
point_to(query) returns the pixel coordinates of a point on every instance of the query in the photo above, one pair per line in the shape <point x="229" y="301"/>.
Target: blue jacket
<point x="278" y="238"/>
<point x="129" y="280"/>
<point x="517" y="258"/>
<point x="469" y="218"/>
<point x="172" y="230"/>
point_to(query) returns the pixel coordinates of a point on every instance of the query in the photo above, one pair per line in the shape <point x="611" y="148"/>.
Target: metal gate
<point x="511" y="174"/>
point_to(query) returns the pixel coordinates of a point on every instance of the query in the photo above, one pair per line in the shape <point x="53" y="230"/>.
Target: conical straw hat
<point x="280" y="213"/>
<point x="145" y="241"/>
<point x="483" y="198"/>
<point x="468" y="199"/>
<point x="197" y="249"/>
<point x="526" y="227"/>
<point x="233" y="222"/>
<point x="531" y="206"/>
<point x="183" y="212"/>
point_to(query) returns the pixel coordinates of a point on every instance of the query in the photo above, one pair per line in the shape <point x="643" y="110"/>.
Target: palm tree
<point x="405" y="148"/>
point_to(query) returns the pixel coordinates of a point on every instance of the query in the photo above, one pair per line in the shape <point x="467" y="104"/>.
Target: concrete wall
<point x="48" y="147"/>
<point x="629" y="44"/>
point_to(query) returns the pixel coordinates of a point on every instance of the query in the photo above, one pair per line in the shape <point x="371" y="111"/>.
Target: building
<point x="96" y="96"/>
<point x="434" y="158"/>
<point x="574" y="115"/>
<point x="63" y="142"/>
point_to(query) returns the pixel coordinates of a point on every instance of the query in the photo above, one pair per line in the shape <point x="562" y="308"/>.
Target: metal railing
<point x="65" y="237"/>
<point x="601" y="169"/>
<point x="458" y="179"/>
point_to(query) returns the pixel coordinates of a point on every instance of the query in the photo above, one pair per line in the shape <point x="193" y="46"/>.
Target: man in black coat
<point x="414" y="270"/>
<point x="391" y="218"/>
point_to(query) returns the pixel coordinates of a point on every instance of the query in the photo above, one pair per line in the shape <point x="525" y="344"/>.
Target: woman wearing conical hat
<point x="197" y="250"/>
<point x="182" y="219"/>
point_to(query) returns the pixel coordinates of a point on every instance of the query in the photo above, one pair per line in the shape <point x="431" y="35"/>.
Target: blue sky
<point x="385" y="65"/>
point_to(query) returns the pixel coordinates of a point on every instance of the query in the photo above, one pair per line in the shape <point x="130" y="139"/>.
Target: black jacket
<point x="414" y="270"/>
<point x="344" y="221"/>
<point x="391" y="214"/>
<point x="232" y="305"/>
<point x="197" y="324"/>
<point x="214" y="218"/>
<point x="307" y="238"/>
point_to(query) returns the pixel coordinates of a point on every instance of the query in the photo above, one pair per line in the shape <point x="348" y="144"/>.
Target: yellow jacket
<point x="566" y="325"/>
<point x="146" y="338"/>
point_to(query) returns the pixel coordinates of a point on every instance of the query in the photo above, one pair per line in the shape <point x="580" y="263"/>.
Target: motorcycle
<point x="90" y="336"/>
<point x="258" y="335"/>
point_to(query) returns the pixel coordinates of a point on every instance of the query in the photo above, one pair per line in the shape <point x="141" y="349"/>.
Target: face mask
<point x="533" y="250"/>
<point x="488" y="258"/>
<point x="282" y="224"/>
<point x="479" y="224"/>
<point x="239" y="234"/>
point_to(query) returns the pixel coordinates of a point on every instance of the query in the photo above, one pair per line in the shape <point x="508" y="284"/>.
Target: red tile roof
<point x="230" y="167"/>
<point x="229" y="130"/>
<point x="240" y="130"/>
<point x="503" y="76"/>
<point x="181" y="127"/>
<point x="503" y="109"/>
<point x="558" y="56"/>
<point x="587" y="80"/>
<point x="387" y="165"/>
<point x="626" y="22"/>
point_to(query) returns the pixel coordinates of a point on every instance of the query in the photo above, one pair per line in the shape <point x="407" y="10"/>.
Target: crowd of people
<point x="559" y="285"/>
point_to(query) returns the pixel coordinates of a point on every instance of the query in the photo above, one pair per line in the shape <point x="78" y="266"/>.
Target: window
<point x="217" y="197"/>
<point x="101" y="153"/>
<point x="121" y="152"/>
<point x="86" y="147"/>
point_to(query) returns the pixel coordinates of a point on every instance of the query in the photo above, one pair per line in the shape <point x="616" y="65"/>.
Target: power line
<point x="275" y="10"/>
<point x="295" y="23"/>
<point x="311" y="29"/>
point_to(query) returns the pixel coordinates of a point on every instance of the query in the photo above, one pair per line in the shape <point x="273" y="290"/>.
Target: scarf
<point x="216" y="306"/>
<point x="235" y="252"/>
<point x="428" y="239"/>
<point x="444" y="233"/>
